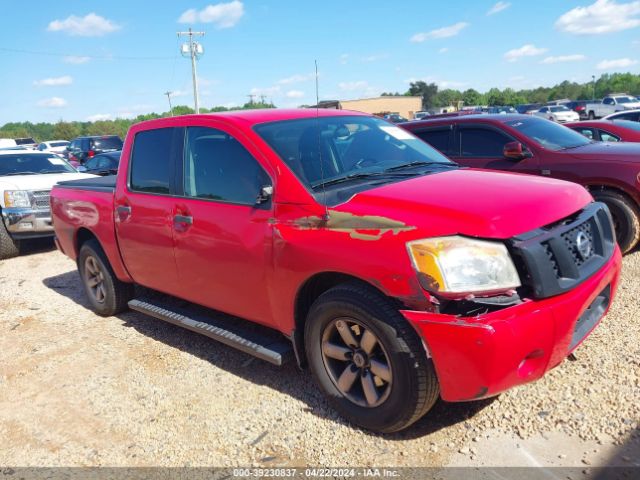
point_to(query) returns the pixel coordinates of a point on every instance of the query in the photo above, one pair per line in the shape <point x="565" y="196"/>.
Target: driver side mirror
<point x="515" y="151"/>
<point x="265" y="194"/>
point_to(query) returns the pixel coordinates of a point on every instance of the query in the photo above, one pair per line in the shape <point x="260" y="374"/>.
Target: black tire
<point x="114" y="294"/>
<point x="592" y="116"/>
<point x="626" y="217"/>
<point x="8" y="246"/>
<point x="413" y="389"/>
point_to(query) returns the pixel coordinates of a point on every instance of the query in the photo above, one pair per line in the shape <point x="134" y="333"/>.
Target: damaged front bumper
<point x="481" y="356"/>
<point x="27" y="222"/>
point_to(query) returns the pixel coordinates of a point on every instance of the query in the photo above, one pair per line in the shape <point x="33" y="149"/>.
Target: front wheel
<point x="368" y="360"/>
<point x="625" y="216"/>
<point x="106" y="293"/>
<point x="8" y="246"/>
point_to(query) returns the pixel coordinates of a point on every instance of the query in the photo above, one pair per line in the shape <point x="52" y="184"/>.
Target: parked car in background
<point x="102" y="164"/>
<point x="611" y="104"/>
<point x="28" y="142"/>
<point x="499" y="109"/>
<point x="395" y="118"/>
<point x="55" y="146"/>
<point x="26" y="179"/>
<point x="529" y="144"/>
<point x="578" y="106"/>
<point x="630" y="115"/>
<point x="528" y="108"/>
<point x="83" y="148"/>
<point x="420" y="115"/>
<point x="557" y="113"/>
<point x="396" y="276"/>
<point x="608" y="130"/>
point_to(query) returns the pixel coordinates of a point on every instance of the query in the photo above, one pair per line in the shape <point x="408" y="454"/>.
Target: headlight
<point x="16" y="199"/>
<point x="463" y="265"/>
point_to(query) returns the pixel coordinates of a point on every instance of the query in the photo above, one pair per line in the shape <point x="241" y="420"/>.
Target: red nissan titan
<point x="344" y="242"/>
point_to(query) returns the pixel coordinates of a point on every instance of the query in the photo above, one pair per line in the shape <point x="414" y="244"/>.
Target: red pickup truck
<point x="344" y="241"/>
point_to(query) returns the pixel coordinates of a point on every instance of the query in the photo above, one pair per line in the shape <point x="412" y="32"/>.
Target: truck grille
<point x="557" y="258"/>
<point x="41" y="200"/>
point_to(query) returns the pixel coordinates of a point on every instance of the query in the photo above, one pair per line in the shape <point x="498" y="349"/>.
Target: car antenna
<point x="325" y="218"/>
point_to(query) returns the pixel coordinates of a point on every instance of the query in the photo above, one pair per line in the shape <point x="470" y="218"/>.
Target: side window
<point x="608" y="137"/>
<point x="218" y="167"/>
<point x="438" y="139"/>
<point x="544" y="109"/>
<point x="482" y="142"/>
<point x="587" y="132"/>
<point x="608" y="101"/>
<point x="633" y="116"/>
<point x="151" y="161"/>
<point x="92" y="163"/>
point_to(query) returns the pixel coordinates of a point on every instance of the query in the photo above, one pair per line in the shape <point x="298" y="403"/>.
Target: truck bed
<point x="98" y="184"/>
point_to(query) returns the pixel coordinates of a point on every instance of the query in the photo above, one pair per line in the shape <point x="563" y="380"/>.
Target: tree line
<point x="432" y="97"/>
<point x="63" y="130"/>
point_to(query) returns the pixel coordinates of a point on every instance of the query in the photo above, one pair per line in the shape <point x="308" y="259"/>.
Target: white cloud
<point x="75" y="59"/>
<point x="298" y="78"/>
<point x="375" y="58"/>
<point x="443" y="50"/>
<point x="498" y="7"/>
<point x="564" y="58"/>
<point x="266" y="91"/>
<point x="351" y="86"/>
<point x="91" y="25"/>
<point x="618" y="63"/>
<point x="528" y="50"/>
<point x="222" y="15"/>
<point x="98" y="117"/>
<point x="444" y="32"/>
<point x="603" y="16"/>
<point x="53" y="102"/>
<point x="294" y="94"/>
<point x="54" y="81"/>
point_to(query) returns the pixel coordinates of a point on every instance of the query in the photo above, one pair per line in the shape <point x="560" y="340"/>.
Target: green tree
<point x="427" y="91"/>
<point x="66" y="130"/>
<point x="472" y="97"/>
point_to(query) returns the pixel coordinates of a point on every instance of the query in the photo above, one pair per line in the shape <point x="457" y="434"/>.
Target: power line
<point x="91" y="57"/>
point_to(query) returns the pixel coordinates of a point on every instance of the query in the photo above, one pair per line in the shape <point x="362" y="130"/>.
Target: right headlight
<point x="16" y="199"/>
<point x="464" y="265"/>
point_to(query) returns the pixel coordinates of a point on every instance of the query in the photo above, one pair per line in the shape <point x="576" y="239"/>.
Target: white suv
<point x="26" y="179"/>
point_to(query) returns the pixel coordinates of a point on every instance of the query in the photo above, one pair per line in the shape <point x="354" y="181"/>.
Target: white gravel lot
<point x="80" y="390"/>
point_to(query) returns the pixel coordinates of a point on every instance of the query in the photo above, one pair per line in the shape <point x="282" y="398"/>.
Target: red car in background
<point x="533" y="145"/>
<point x="608" y="130"/>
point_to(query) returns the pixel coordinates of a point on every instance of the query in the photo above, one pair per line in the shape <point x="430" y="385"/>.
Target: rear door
<point x="440" y="138"/>
<point x="145" y="209"/>
<point x="481" y="146"/>
<point x="223" y="234"/>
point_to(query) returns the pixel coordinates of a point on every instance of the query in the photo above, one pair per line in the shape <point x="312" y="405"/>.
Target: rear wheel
<point x="592" y="116"/>
<point x="107" y="295"/>
<point x="625" y="216"/>
<point x="8" y="246"/>
<point x="368" y="360"/>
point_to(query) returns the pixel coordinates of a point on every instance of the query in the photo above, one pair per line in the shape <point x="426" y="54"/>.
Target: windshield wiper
<point x="358" y="176"/>
<point x="18" y="173"/>
<point x="55" y="171"/>
<point x="419" y="163"/>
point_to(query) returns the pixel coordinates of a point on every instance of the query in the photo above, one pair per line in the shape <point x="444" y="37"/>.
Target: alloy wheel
<point x="94" y="278"/>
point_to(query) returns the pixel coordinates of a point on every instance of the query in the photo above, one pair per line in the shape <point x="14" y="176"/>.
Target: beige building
<point x="405" y="106"/>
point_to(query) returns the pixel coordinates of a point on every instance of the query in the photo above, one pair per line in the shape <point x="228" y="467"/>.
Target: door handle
<point x="124" y="212"/>
<point x="184" y="219"/>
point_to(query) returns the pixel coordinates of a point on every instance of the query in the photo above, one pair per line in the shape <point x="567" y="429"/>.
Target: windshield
<point x="559" y="108"/>
<point x="548" y="134"/>
<point x="630" y="124"/>
<point x="625" y="99"/>
<point x="320" y="150"/>
<point x="33" y="163"/>
<point x="107" y="143"/>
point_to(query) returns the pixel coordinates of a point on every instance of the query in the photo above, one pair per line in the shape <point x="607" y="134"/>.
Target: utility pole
<point x="593" y="78"/>
<point x="168" y="94"/>
<point x="251" y="97"/>
<point x="195" y="51"/>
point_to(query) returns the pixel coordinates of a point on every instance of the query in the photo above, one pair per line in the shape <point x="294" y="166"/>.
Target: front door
<point x="222" y="232"/>
<point x="482" y="147"/>
<point x="145" y="209"/>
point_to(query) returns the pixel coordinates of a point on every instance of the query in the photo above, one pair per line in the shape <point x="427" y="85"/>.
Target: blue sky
<point x="80" y="60"/>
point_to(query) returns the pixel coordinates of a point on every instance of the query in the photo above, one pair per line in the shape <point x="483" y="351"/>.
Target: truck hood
<point x="623" y="151"/>
<point x="472" y="202"/>
<point x="38" y="182"/>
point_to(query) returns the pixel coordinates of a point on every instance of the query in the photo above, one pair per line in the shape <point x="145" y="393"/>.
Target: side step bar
<point x="228" y="330"/>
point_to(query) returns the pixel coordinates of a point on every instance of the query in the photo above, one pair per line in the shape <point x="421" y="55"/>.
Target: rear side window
<point x="152" y="161"/>
<point x="482" y="142"/>
<point x="437" y="138"/>
<point x="218" y="167"/>
<point x="106" y="143"/>
<point x="633" y="116"/>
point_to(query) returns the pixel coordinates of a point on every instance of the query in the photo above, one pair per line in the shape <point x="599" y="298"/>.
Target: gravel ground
<point x="80" y="390"/>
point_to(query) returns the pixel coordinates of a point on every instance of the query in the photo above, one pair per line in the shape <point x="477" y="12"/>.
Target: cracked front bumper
<point x="481" y="356"/>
